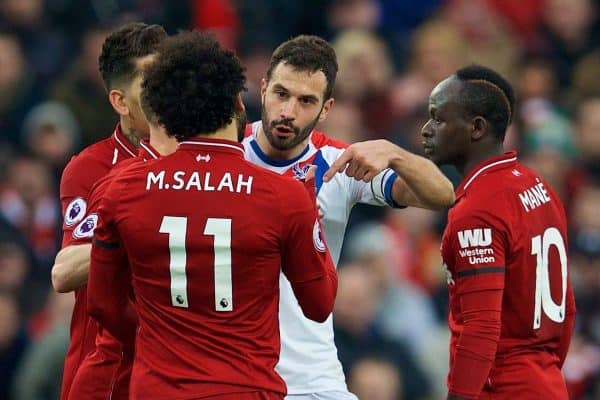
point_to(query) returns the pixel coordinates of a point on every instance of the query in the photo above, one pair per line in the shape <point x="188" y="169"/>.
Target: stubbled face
<point x="132" y="94"/>
<point x="447" y="133"/>
<point x="292" y="104"/>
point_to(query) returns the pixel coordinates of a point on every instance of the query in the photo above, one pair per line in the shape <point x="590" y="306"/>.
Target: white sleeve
<point x="377" y="192"/>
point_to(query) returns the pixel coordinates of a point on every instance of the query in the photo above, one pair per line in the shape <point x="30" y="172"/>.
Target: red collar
<point x="506" y="160"/>
<point x="212" y="145"/>
<point x="147" y="152"/>
<point x="122" y="144"/>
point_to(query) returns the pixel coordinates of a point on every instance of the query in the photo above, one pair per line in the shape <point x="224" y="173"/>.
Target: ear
<point x="239" y="103"/>
<point x="480" y="127"/>
<point x="327" y="106"/>
<point x="117" y="101"/>
<point x="263" y="89"/>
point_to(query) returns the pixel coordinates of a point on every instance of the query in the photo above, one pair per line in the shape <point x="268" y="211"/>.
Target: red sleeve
<point x="75" y="186"/>
<point x="476" y="251"/>
<point x="475" y="256"/>
<point x="476" y="347"/>
<point x="84" y="231"/>
<point x="110" y="277"/>
<point x="305" y="258"/>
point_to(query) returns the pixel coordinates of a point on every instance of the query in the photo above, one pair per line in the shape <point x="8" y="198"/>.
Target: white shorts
<point x="330" y="395"/>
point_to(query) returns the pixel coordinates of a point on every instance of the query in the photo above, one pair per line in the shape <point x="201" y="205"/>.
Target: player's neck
<point x="162" y="143"/>
<point x="227" y="133"/>
<point x="129" y="132"/>
<point x="276" y="154"/>
<point x="480" y="156"/>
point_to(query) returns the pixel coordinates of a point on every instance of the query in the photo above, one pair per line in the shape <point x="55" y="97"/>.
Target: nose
<point x="426" y="130"/>
<point x="288" y="109"/>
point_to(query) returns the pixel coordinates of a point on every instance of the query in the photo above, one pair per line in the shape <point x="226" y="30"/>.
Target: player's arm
<point x="72" y="263"/>
<point x="110" y="278"/>
<point x="419" y="182"/>
<point x="69" y="262"/>
<point x="75" y="188"/>
<point x="306" y="261"/>
<point x="479" y="289"/>
<point x="71" y="266"/>
<point x="477" y="344"/>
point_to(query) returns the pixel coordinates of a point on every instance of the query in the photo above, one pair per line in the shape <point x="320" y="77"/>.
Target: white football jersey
<point x="308" y="362"/>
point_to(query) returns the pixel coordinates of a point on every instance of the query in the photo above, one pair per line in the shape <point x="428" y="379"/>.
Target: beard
<point x="241" y="119"/>
<point x="288" y="143"/>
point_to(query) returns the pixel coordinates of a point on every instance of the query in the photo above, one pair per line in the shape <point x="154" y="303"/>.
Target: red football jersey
<point x="507" y="234"/>
<point x="206" y="234"/>
<point x="78" y="177"/>
<point x="105" y="372"/>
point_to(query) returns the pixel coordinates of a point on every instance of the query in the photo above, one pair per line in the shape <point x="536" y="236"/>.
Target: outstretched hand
<point x="363" y="160"/>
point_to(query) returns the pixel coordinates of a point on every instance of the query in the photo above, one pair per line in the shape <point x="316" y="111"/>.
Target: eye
<point x="281" y="94"/>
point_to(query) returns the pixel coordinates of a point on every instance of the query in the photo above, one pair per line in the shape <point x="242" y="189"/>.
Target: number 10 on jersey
<point x="220" y="229"/>
<point x="540" y="247"/>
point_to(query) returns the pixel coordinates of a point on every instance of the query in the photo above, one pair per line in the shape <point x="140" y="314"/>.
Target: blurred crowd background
<point x="390" y="315"/>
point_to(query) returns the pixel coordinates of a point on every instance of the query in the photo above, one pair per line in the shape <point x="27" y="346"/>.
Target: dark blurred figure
<point x="586" y="166"/>
<point x="569" y="31"/>
<point x="44" y="44"/>
<point x="18" y="88"/>
<point x="173" y="15"/>
<point x="29" y="203"/>
<point x="81" y="88"/>
<point x="51" y="132"/>
<point x="39" y="374"/>
<point x="356" y="337"/>
<point x="13" y="341"/>
<point x="272" y="22"/>
<point x="582" y="366"/>
<point x="373" y="378"/>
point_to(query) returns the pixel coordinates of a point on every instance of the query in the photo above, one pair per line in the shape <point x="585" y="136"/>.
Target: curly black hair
<point x="121" y="49"/>
<point x="307" y="53"/>
<point x="192" y="86"/>
<point x="485" y="92"/>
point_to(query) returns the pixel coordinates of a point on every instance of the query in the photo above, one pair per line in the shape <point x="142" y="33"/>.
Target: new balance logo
<point x="475" y="237"/>
<point x="200" y="157"/>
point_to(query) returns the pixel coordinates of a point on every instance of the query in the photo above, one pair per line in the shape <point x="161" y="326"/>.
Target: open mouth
<point x="283" y="131"/>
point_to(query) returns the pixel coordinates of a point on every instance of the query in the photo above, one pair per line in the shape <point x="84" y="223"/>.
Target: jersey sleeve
<point x="475" y="251"/>
<point x="75" y="186"/>
<point x="306" y="261"/>
<point x="378" y="192"/>
<point x="110" y="276"/>
<point x="84" y="230"/>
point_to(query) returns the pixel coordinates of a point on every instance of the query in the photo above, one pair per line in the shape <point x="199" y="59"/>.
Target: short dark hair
<point x="307" y="53"/>
<point x="193" y="84"/>
<point x="121" y="49"/>
<point x="486" y="93"/>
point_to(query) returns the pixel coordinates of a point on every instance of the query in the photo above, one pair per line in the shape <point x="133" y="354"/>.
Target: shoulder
<point x="101" y="184"/>
<point x="490" y="200"/>
<point x="91" y="162"/>
<point x="320" y="140"/>
<point x="328" y="149"/>
<point x="131" y="169"/>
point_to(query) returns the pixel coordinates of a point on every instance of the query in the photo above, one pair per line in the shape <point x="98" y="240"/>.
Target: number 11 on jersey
<point x="220" y="229"/>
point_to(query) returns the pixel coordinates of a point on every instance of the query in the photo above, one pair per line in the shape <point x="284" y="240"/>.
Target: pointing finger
<point x="338" y="166"/>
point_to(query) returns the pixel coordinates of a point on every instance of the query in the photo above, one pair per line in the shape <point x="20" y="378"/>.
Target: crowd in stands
<point x="391" y="307"/>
